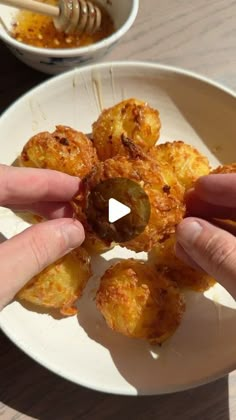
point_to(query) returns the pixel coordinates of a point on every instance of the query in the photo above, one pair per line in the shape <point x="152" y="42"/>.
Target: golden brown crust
<point x="186" y="162"/>
<point x="138" y="302"/>
<point x="65" y="150"/>
<point x="166" y="200"/>
<point x="61" y="284"/>
<point x="95" y="245"/>
<point x="92" y="243"/>
<point x="132" y="118"/>
<point x="137" y="299"/>
<point x="164" y="259"/>
<point x="225" y="169"/>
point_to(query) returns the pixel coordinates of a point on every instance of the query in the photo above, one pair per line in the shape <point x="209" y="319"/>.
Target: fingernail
<point x="78" y="184"/>
<point x="77" y="178"/>
<point x="190" y="191"/>
<point x="188" y="232"/>
<point x="73" y="233"/>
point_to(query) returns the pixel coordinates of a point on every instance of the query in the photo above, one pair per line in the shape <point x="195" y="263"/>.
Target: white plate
<point x="83" y="349"/>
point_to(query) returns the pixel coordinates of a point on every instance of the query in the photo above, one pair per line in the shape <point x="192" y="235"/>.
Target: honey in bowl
<point x="39" y="31"/>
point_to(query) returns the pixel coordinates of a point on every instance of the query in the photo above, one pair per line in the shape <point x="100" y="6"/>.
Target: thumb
<point x="210" y="248"/>
<point x="28" y="253"/>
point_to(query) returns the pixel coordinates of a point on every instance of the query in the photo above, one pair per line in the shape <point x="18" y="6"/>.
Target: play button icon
<point x="116" y="210"/>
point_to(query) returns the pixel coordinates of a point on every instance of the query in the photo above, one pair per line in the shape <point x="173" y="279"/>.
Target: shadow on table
<point x="34" y="391"/>
<point x="16" y="78"/>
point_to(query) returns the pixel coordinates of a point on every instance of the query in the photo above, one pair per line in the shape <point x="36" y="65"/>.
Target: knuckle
<point x="46" y="246"/>
<point x="220" y="252"/>
<point x="60" y="243"/>
<point x="40" y="180"/>
<point x="44" y="183"/>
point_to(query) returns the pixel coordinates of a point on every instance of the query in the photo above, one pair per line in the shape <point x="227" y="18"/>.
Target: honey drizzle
<point x="39" y="31"/>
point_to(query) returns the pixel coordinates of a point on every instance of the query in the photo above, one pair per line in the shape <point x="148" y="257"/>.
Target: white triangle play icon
<point x="116" y="210"/>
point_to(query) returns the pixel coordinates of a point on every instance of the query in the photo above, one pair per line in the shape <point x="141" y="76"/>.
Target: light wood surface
<point x="198" y="35"/>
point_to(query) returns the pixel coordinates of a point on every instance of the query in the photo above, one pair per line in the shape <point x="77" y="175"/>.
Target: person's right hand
<point x="206" y="243"/>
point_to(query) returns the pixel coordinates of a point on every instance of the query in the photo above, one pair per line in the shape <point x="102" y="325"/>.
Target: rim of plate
<point x="120" y="63"/>
<point x="51" y="82"/>
<point x="64" y="53"/>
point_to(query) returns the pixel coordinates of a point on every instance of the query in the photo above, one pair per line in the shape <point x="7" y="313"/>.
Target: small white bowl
<point x="54" y="61"/>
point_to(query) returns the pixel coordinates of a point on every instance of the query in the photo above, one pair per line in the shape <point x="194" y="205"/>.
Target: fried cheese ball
<point x="187" y="163"/>
<point x="225" y="169"/>
<point x="138" y="302"/>
<point x="132" y="118"/>
<point x="95" y="245"/>
<point x="92" y="243"/>
<point x="166" y="200"/>
<point x="164" y="259"/>
<point x="61" y="284"/>
<point x="65" y="150"/>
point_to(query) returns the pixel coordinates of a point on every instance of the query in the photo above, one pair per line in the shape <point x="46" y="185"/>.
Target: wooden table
<point x="199" y="35"/>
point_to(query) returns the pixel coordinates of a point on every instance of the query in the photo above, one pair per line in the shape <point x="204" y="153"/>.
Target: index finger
<point x="200" y="208"/>
<point x="219" y="189"/>
<point x="29" y="185"/>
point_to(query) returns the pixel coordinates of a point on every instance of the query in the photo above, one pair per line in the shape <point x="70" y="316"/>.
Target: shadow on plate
<point x="211" y="114"/>
<point x="16" y="162"/>
<point x="54" y="313"/>
<point x="26" y="388"/>
<point x="2" y="238"/>
<point x="29" y="217"/>
<point x="140" y="363"/>
<point x="101" y="266"/>
<point x="48" y="396"/>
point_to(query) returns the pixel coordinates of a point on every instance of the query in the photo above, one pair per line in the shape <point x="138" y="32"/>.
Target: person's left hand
<point x="46" y="193"/>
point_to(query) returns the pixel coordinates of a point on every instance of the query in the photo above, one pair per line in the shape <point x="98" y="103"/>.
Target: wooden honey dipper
<point x="70" y="16"/>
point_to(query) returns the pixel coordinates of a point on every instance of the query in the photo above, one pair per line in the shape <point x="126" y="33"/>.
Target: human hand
<point x="211" y="245"/>
<point x="46" y="193"/>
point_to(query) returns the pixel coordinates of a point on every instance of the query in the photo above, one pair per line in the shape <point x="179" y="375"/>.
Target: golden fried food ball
<point x="164" y="259"/>
<point x="166" y="200"/>
<point x="65" y="150"/>
<point x="132" y="118"/>
<point x="138" y="302"/>
<point x="61" y="284"/>
<point x="225" y="169"/>
<point x="92" y="243"/>
<point x="187" y="163"/>
<point x="95" y="245"/>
